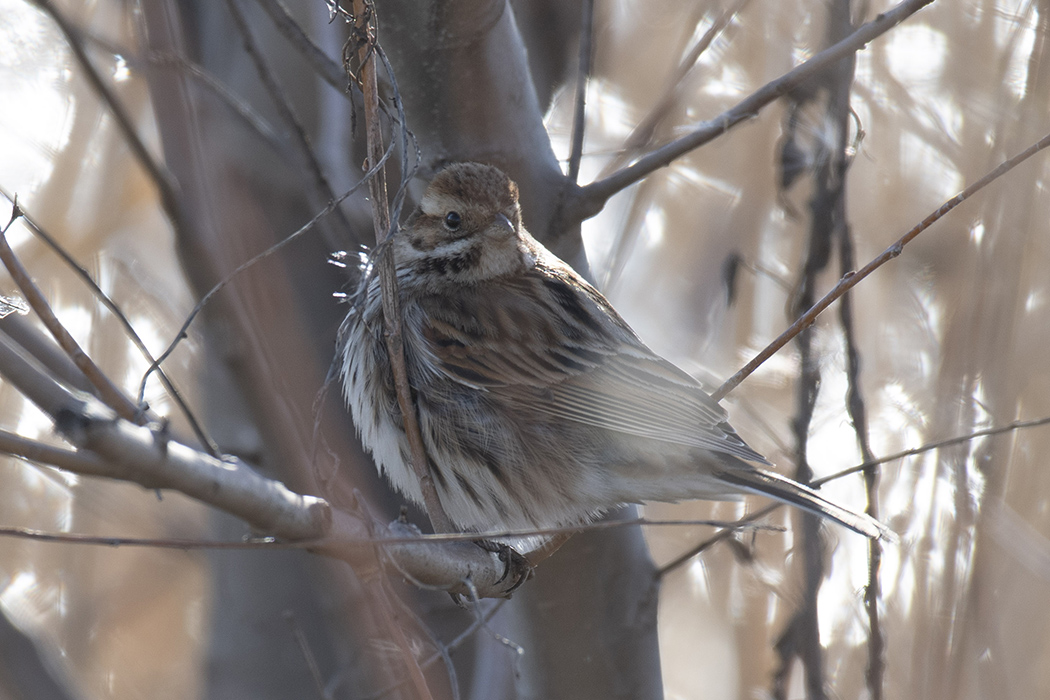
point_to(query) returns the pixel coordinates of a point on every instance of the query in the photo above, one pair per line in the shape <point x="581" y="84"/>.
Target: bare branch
<point x="85" y="276"/>
<point x="365" y="40"/>
<point x="290" y="119"/>
<point x="816" y="483"/>
<point x="109" y="392"/>
<point x="324" y="66"/>
<point x="579" y="117"/>
<point x="238" y="106"/>
<point x="643" y="131"/>
<point x="936" y="445"/>
<point x="114" y="448"/>
<point x="851" y="279"/>
<point x="589" y="199"/>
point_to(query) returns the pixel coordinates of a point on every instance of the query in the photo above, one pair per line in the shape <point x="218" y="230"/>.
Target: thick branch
<point x="115" y="448"/>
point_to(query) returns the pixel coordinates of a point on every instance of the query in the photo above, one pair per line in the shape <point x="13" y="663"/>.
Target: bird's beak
<point x="504" y="224"/>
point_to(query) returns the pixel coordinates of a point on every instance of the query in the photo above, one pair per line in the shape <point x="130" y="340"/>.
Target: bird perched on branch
<point x="538" y="405"/>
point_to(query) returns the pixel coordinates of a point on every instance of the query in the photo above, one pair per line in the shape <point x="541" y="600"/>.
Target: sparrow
<point x="539" y="406"/>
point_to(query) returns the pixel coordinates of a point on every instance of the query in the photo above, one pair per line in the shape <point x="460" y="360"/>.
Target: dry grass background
<point x="954" y="336"/>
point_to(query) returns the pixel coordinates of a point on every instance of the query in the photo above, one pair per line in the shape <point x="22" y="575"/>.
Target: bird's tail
<point x="793" y="493"/>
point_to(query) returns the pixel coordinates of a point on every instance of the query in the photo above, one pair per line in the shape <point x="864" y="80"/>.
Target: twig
<point x="643" y="131"/>
<point x="857" y="410"/>
<point x="162" y="179"/>
<point x="714" y="539"/>
<point x="24" y="533"/>
<point x="579" y="117"/>
<point x="85" y="276"/>
<point x="816" y="483"/>
<point x="324" y="66"/>
<point x="851" y="279"/>
<point x="240" y="108"/>
<point x="366" y="39"/>
<point x="308" y="654"/>
<point x="936" y="445"/>
<point x="290" y="119"/>
<point x="182" y="332"/>
<point x="108" y="391"/>
<point x="87" y="464"/>
<point x="363" y="39"/>
<point x="591" y="198"/>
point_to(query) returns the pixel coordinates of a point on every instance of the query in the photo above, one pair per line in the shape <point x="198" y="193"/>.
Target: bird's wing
<point x="551" y="344"/>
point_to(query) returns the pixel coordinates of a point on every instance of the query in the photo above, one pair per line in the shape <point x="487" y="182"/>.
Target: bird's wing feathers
<point x="553" y="345"/>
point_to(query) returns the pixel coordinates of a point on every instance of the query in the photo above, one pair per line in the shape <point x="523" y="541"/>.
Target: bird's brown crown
<point x="475" y="184"/>
<point x="468" y="230"/>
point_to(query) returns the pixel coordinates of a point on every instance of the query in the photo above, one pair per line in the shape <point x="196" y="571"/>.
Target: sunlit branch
<point x="107" y="390"/>
<point x="129" y="330"/>
<point x="115" y="448"/>
<point x="643" y="131"/>
<point x="591" y="198"/>
<point x="816" y="483"/>
<point x="851" y="279"/>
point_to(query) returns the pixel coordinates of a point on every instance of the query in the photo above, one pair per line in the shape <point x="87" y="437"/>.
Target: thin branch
<point x="591" y="198"/>
<point x="243" y="111"/>
<point x="129" y="330"/>
<point x="308" y="654"/>
<point x="25" y="533"/>
<point x="817" y="483"/>
<point x="936" y="445"/>
<point x="728" y="532"/>
<point x="288" y="117"/>
<point x="322" y="64"/>
<point x="643" y="131"/>
<point x="851" y="279"/>
<point x="162" y="179"/>
<point x="108" y="391"/>
<point x="238" y="106"/>
<point x="856" y="407"/>
<point x="182" y="332"/>
<point x="579" y="117"/>
<point x="362" y="43"/>
<point x="86" y="464"/>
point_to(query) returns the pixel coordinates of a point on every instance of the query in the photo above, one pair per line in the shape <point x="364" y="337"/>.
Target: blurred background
<point x="709" y="259"/>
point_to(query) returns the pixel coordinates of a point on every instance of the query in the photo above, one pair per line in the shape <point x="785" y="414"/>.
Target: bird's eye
<point x="453" y="220"/>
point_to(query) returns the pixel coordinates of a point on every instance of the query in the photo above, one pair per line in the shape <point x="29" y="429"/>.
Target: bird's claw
<point x="514" y="563"/>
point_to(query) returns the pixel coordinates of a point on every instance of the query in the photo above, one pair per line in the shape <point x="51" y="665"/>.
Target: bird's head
<point x="467" y="229"/>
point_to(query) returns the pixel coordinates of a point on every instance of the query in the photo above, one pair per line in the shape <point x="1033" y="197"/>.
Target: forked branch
<point x="588" y="200"/>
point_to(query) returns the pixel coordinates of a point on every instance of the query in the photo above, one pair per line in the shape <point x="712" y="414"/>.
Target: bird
<point x="539" y="406"/>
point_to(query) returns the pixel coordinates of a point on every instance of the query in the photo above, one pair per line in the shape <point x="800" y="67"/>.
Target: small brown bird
<point x="539" y="406"/>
